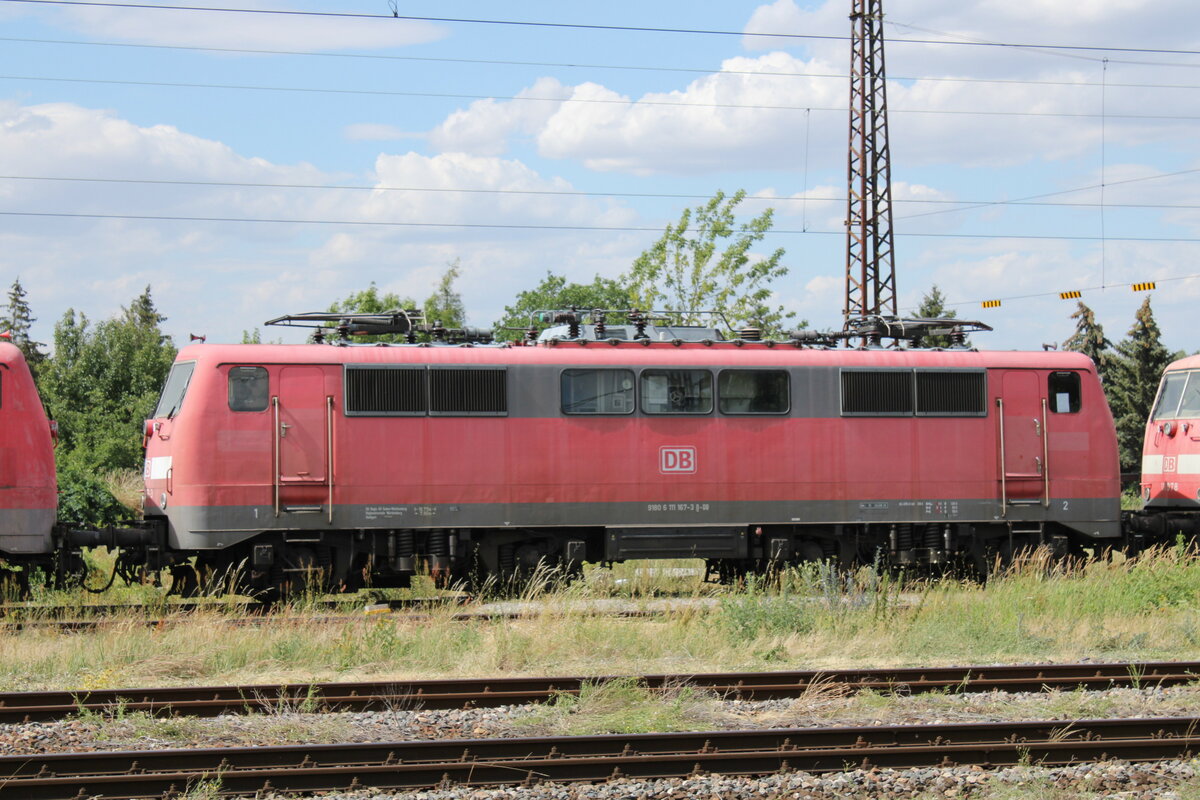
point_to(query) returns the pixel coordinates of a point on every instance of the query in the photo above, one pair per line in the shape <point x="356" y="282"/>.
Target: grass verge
<point x="1146" y="608"/>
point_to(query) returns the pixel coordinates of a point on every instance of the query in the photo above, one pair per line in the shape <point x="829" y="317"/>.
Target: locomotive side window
<point x="677" y="391"/>
<point x="1167" y="406"/>
<point x="1063" y="388"/>
<point x="877" y="393"/>
<point x="468" y="392"/>
<point x="753" y="391"/>
<point x="385" y="391"/>
<point x="597" y="391"/>
<point x="1189" y="404"/>
<point x="249" y="388"/>
<point x="174" y="389"/>
<point x="956" y="393"/>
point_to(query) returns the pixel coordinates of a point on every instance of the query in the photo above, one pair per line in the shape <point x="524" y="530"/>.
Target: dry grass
<point x="127" y="487"/>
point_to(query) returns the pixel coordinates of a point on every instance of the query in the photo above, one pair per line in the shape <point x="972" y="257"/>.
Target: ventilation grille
<point x="877" y="392"/>
<point x="951" y="393"/>
<point x="479" y="392"/>
<point x="385" y="391"/>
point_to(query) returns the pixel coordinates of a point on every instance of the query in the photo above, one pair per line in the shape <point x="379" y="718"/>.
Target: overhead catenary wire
<point x="598" y="26"/>
<point x="593" y="100"/>
<point x="583" y="65"/>
<point x="804" y="198"/>
<point x="559" y="227"/>
<point x="1035" y="295"/>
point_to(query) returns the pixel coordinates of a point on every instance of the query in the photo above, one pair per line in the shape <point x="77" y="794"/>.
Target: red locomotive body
<point x="28" y="486"/>
<point x="366" y="460"/>
<point x="1171" y="454"/>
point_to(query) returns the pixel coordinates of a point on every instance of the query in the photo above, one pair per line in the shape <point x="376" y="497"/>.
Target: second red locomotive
<point x="360" y="463"/>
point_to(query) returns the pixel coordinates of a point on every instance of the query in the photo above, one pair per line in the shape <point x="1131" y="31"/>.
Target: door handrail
<point x="1045" y="456"/>
<point x="275" y="454"/>
<point x="329" y="451"/>
<point x="1003" y="463"/>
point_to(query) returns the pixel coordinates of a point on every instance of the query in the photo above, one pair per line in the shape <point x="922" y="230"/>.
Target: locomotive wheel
<point x="185" y="581"/>
<point x="297" y="570"/>
<point x="14" y="584"/>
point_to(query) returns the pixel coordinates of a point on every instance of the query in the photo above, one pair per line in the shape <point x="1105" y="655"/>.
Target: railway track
<point x="491" y="692"/>
<point x="87" y="612"/>
<point x="264" y="617"/>
<point x="421" y="764"/>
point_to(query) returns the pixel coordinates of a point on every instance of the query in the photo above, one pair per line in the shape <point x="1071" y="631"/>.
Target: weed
<point x="622" y="705"/>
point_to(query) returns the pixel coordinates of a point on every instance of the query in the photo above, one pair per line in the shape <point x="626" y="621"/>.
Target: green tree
<point x="1090" y="340"/>
<point x="1136" y="370"/>
<point x="18" y="320"/>
<point x="933" y="306"/>
<point x="686" y="269"/>
<point x="101" y="383"/>
<point x="445" y="305"/>
<point x="554" y="293"/>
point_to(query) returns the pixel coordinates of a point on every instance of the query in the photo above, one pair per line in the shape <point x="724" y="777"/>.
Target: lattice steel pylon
<point x="870" y="273"/>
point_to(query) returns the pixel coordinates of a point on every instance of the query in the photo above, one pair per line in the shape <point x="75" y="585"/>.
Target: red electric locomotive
<point x="604" y="443"/>
<point x="1171" y="457"/>
<point x="28" y="486"/>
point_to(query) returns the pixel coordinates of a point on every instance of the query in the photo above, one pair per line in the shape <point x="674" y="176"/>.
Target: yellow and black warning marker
<point x="1143" y="287"/>
<point x="991" y="304"/>
<point x="1071" y="295"/>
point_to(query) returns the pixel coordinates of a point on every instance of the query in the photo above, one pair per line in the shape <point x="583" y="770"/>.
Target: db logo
<point x="1169" y="463"/>
<point x="676" y="459"/>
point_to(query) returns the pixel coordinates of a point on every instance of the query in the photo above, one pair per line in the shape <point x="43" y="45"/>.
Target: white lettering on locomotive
<point x="673" y="460"/>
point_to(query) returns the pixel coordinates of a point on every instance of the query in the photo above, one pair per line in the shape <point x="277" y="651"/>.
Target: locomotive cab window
<point x="1167" y="406"/>
<point x="753" y="391"/>
<point x="249" y="388"/>
<point x="597" y="391"/>
<point x="1189" y="404"/>
<point x="1065" y="396"/>
<point x="174" y="389"/>
<point x="677" y="391"/>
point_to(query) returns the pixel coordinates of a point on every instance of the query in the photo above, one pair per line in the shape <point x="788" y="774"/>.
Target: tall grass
<point x="1147" y="607"/>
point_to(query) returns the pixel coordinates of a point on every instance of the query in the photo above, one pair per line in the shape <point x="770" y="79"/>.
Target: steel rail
<point x="491" y="692"/>
<point x="422" y="764"/>
<point x="264" y="617"/>
<point x="47" y="613"/>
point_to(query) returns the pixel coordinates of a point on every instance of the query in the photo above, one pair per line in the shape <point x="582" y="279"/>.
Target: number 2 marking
<point x="1065" y="503"/>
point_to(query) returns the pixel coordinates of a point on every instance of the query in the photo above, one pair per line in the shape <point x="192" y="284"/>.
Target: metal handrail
<point x="275" y="454"/>
<point x="329" y="451"/>
<point x="1045" y="456"/>
<point x="1003" y="463"/>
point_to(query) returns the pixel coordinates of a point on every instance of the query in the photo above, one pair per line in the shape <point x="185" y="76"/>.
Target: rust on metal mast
<point x="870" y="274"/>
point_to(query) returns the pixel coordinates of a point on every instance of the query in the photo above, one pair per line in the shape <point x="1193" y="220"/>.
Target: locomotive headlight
<point x="162" y="499"/>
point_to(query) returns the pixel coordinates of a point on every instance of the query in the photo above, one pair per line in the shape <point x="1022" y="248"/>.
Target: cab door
<point x="303" y="436"/>
<point x="1021" y="410"/>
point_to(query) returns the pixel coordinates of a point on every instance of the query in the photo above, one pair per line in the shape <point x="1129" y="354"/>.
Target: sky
<point x="250" y="165"/>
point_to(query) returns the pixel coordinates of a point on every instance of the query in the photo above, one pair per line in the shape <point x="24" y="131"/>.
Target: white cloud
<point x="220" y="278"/>
<point x="485" y="126"/>
<point x="749" y="116"/>
<point x="244" y="30"/>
